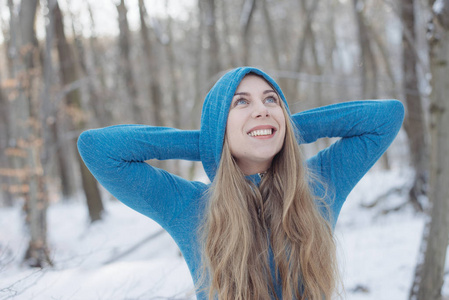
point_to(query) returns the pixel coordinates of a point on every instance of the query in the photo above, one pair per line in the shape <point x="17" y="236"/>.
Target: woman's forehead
<point x="252" y="82"/>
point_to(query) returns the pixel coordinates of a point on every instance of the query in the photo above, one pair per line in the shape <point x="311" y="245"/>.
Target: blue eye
<point x="271" y="99"/>
<point x="240" y="101"/>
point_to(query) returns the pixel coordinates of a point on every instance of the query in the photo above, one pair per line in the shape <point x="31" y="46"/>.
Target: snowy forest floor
<point x="377" y="251"/>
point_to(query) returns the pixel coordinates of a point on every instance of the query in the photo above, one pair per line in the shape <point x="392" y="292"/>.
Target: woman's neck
<point x="253" y="168"/>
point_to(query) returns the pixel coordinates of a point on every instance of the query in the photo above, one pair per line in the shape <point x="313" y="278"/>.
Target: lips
<point x="264" y="130"/>
<point x="261" y="132"/>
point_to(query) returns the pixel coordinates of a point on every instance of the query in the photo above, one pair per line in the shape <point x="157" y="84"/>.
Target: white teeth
<point x="261" y="132"/>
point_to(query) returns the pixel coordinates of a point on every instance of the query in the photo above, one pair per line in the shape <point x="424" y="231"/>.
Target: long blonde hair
<point x="244" y="223"/>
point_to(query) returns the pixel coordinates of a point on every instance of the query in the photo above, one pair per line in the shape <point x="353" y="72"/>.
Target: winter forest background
<point x="66" y="66"/>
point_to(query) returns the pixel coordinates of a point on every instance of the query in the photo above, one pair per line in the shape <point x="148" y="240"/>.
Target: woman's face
<point x="255" y="128"/>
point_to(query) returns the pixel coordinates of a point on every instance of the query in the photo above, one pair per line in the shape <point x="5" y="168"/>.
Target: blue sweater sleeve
<point x="366" y="129"/>
<point x="116" y="156"/>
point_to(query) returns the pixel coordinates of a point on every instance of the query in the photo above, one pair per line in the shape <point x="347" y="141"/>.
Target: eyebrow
<point x="247" y="94"/>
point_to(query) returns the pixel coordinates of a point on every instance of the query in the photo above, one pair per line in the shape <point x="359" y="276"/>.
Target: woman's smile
<point x="256" y="125"/>
<point x="262" y="132"/>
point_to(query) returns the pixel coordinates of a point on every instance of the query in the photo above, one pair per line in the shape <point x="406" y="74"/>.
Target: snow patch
<point x="438" y="7"/>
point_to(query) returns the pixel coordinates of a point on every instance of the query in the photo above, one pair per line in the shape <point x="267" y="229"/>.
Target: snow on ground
<point x="377" y="252"/>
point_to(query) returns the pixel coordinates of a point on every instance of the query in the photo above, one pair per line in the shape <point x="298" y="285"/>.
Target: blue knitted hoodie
<point x="215" y="114"/>
<point x="117" y="156"/>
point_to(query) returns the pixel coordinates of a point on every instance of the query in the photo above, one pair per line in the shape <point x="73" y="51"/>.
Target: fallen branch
<point x="381" y="198"/>
<point x="135" y="247"/>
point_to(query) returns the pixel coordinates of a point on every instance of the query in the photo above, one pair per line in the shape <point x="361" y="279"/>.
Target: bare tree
<point x="214" y="62"/>
<point x="69" y="76"/>
<point x="414" y="123"/>
<point x="125" y="65"/>
<point x="6" y="198"/>
<point x="153" y="67"/>
<point x="173" y="73"/>
<point x="384" y="54"/>
<point x="429" y="277"/>
<point x="199" y="75"/>
<point x="246" y="18"/>
<point x="227" y="35"/>
<point x="10" y="38"/>
<point x="298" y="61"/>
<point x="27" y="144"/>
<point x="367" y="60"/>
<point x="96" y="71"/>
<point x="317" y="69"/>
<point x="273" y="43"/>
<point x="309" y="13"/>
<point x="87" y="70"/>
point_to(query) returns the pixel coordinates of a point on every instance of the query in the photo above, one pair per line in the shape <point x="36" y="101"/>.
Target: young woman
<point x="263" y="228"/>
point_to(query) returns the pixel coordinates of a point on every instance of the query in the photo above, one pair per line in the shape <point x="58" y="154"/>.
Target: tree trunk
<point x="414" y="123"/>
<point x="318" y="70"/>
<point x="73" y="104"/>
<point x="10" y="39"/>
<point x="53" y="124"/>
<point x="95" y="101"/>
<point x="307" y="27"/>
<point x="28" y="139"/>
<point x="245" y="23"/>
<point x="385" y="55"/>
<point x="199" y="74"/>
<point x="97" y="73"/>
<point x="125" y="61"/>
<point x="227" y="36"/>
<point x="297" y="65"/>
<point x="173" y="76"/>
<point x="6" y="197"/>
<point x="271" y="35"/>
<point x="367" y="61"/>
<point x="68" y="187"/>
<point x="214" y="63"/>
<point x="430" y="281"/>
<point x="151" y="61"/>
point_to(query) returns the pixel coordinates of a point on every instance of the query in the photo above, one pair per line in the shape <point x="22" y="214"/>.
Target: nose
<point x="260" y="110"/>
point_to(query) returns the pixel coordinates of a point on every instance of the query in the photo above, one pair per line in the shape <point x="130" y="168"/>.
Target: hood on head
<point x="215" y="114"/>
